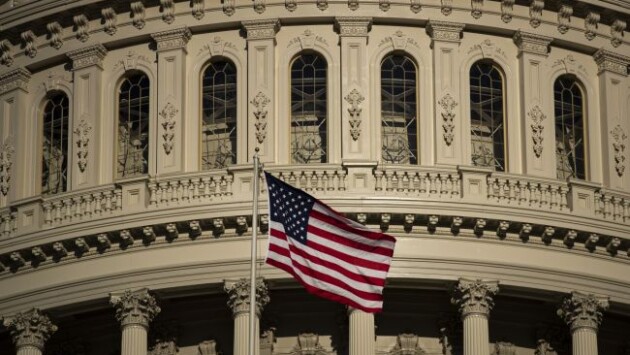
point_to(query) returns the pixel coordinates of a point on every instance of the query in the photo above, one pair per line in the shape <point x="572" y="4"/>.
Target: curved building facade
<point x="489" y="137"/>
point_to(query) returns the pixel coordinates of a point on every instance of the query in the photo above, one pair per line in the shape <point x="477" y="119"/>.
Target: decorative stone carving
<point x="38" y="255"/>
<point x="480" y="225"/>
<point x="432" y="223"/>
<point x="102" y="242"/>
<point x="474" y="296"/>
<point x="616" y="32"/>
<point x="168" y="10"/>
<point x="502" y="229"/>
<point x="535" y="12"/>
<point x="569" y="65"/>
<point x="526" y="230"/>
<point x="88" y="56"/>
<point x="590" y="25"/>
<point x="407" y="344"/>
<point x="194" y="229"/>
<point x="580" y="310"/>
<point x="261" y="29"/>
<point x="353" y="4"/>
<point x="6" y="161"/>
<point x="264" y="223"/>
<point x="415" y="6"/>
<point x="353" y="26"/>
<point x="172" y="39"/>
<point x="260" y="102"/>
<point x="80" y="246"/>
<point x="171" y="232"/>
<point x="564" y="18"/>
<point x="134" y="307"/>
<point x="238" y="295"/>
<point x="16" y="260"/>
<point x="532" y="43"/>
<point x="59" y="250"/>
<point x="131" y="60"/>
<point x="611" y="61"/>
<point x="290" y="5"/>
<point x="126" y="239"/>
<point x="445" y="31"/>
<point x="456" y="225"/>
<point x="82" y="25"/>
<point x="591" y="242"/>
<point x="30" y="328"/>
<point x="354" y="98"/>
<point x="619" y="145"/>
<point x="229" y="7"/>
<point x="14" y="79"/>
<point x="322" y="5"/>
<point x="54" y="30"/>
<point x="386" y="218"/>
<point x="259" y="6"/>
<point x="384" y="5"/>
<point x="218" y="227"/>
<point x="28" y="39"/>
<point x="537" y="117"/>
<point x="398" y="41"/>
<point x="613" y="246"/>
<point x="507" y="10"/>
<point x="307" y="40"/>
<point x="148" y="235"/>
<point x="168" y="122"/>
<point x="198" y="8"/>
<point x="208" y="347"/>
<point x="547" y="234"/>
<point x="504" y="348"/>
<point x="138" y="14"/>
<point x="82" y="134"/>
<point x="488" y="49"/>
<point x="361" y="218"/>
<point x="6" y="58"/>
<point x="544" y="348"/>
<point x="569" y="238"/>
<point x="241" y="225"/>
<point x="446" y="7"/>
<point x="308" y="344"/>
<point x="216" y="47"/>
<point x="448" y="105"/>
<point x="476" y="8"/>
<point x="109" y="15"/>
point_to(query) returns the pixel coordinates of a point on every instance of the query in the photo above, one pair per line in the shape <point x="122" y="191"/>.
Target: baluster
<point x="564" y="203"/>
<point x="490" y="181"/>
<point x="553" y="204"/>
<point x="626" y="209"/>
<point x="57" y="215"/>
<point x="118" y="201"/>
<point x="511" y="191"/>
<point x="98" y="203"/>
<point x="433" y="188"/>
<point x="229" y="181"/>
<point x="223" y="186"/>
<point x="195" y="188"/>
<point x="533" y="194"/>
<point x="67" y="210"/>
<point x="152" y="194"/>
<point x="423" y="182"/>
<point x="455" y="190"/>
<point x="342" y="180"/>
<point x="388" y="180"/>
<point x="205" y="187"/>
<point x="378" y="175"/>
<point x="76" y="206"/>
<point x="47" y="213"/>
<point x="607" y="206"/>
<point x="404" y="183"/>
<point x="89" y="205"/>
<point x="108" y="201"/>
<point x="616" y="208"/>
<point x="501" y="183"/>
<point x="319" y="177"/>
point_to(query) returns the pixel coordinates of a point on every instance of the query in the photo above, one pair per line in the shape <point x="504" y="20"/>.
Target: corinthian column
<point x="238" y="300"/>
<point x="361" y="332"/>
<point x="474" y="300"/>
<point x="134" y="310"/>
<point x="583" y="313"/>
<point x="30" y="330"/>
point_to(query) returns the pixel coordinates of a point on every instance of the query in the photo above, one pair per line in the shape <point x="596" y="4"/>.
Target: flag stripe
<point x="344" y="224"/>
<point x="324" y="230"/>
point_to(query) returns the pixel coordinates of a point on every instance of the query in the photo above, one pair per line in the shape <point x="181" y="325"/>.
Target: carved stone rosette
<point x="448" y="104"/>
<point x="474" y="296"/>
<point x="260" y="102"/>
<point x="619" y="145"/>
<point x="30" y="328"/>
<point x="6" y="161"/>
<point x="537" y="116"/>
<point x="168" y="123"/>
<point x="238" y="295"/>
<point x="135" y="307"/>
<point x="354" y="98"/>
<point x="580" y="310"/>
<point x="82" y="133"/>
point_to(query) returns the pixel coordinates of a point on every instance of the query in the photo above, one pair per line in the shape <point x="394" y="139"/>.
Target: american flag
<point x="331" y="256"/>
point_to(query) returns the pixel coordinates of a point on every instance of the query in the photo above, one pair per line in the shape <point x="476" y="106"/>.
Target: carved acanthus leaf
<point x="354" y="98"/>
<point x="238" y="295"/>
<point x="507" y="10"/>
<point x="82" y="25"/>
<point x="448" y="105"/>
<point x="168" y="122"/>
<point x="619" y="145"/>
<point x="537" y="117"/>
<point x="229" y="7"/>
<point x="581" y="310"/>
<point x="260" y="102"/>
<point x="590" y="25"/>
<point x="535" y="12"/>
<point x="168" y="10"/>
<point x="109" y="16"/>
<point x="198" y="7"/>
<point x="135" y="307"/>
<point x="6" y="58"/>
<point x="138" y="14"/>
<point x="30" y="328"/>
<point x="476" y="8"/>
<point x="6" y="161"/>
<point x="54" y="30"/>
<point x="475" y="296"/>
<point x="82" y="132"/>
<point x="28" y="39"/>
<point x="564" y="18"/>
<point x="617" y="29"/>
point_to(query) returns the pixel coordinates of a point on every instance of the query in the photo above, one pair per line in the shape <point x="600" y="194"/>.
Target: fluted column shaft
<point x="476" y="337"/>
<point x="29" y="331"/>
<point x="583" y="313"/>
<point x="238" y="301"/>
<point x="474" y="299"/>
<point x="134" y="339"/>
<point x="361" y="332"/>
<point x="584" y="341"/>
<point x="29" y="350"/>
<point x="134" y="310"/>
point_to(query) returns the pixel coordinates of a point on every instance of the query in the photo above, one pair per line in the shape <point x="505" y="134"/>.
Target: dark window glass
<point x="569" y="119"/>
<point x="133" y="126"/>
<point x="55" y="144"/>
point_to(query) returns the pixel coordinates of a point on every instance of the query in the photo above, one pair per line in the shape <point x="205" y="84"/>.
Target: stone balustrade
<point x="78" y="206"/>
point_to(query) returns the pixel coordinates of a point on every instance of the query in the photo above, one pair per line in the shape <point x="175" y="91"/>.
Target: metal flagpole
<point x="252" y="285"/>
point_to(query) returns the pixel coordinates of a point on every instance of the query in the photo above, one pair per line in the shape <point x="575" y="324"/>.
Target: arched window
<point x="399" y="128"/>
<point x="55" y="143"/>
<point x="309" y="136"/>
<point x="218" y="119"/>
<point x="487" y="123"/>
<point x="133" y="125"/>
<point x="569" y="119"/>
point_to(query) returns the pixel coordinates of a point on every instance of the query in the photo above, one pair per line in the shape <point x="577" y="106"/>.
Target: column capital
<point x="474" y="296"/>
<point x="532" y="43"/>
<point x="443" y="31"/>
<point x="261" y="29"/>
<point x="238" y="295"/>
<point x="14" y="79"/>
<point x="611" y="62"/>
<point x="581" y="310"/>
<point x="349" y="26"/>
<point x="30" y="328"/>
<point x="87" y="56"/>
<point x="134" y="307"/>
<point x="172" y="39"/>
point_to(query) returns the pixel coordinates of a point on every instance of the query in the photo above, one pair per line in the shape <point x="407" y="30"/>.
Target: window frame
<point x="40" y="141"/>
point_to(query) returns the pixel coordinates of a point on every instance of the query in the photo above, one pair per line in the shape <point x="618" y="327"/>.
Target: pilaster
<point x="171" y="94"/>
<point x="583" y="313"/>
<point x="238" y="301"/>
<point x="612" y="73"/>
<point x="362" y="334"/>
<point x="536" y="109"/>
<point x="445" y="41"/>
<point x="30" y="330"/>
<point x="86" y="168"/>
<point x="134" y="310"/>
<point x="261" y="102"/>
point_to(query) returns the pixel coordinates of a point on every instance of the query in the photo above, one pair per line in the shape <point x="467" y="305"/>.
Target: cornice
<point x="443" y="31"/>
<point x="261" y="29"/>
<point x="172" y="39"/>
<point x="608" y="61"/>
<point x="14" y="80"/>
<point x="353" y="26"/>
<point x="532" y="43"/>
<point x="88" y="56"/>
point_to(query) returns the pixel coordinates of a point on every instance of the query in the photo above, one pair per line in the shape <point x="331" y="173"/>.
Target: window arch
<point x="399" y="127"/>
<point x="133" y="125"/>
<point x="218" y="117"/>
<point x="569" y="120"/>
<point x="487" y="115"/>
<point x="55" y="123"/>
<point x="309" y="109"/>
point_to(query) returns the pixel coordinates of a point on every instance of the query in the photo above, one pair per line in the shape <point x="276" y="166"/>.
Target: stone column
<point x="583" y="313"/>
<point x="134" y="310"/>
<point x="474" y="300"/>
<point x="261" y="66"/>
<point x="445" y="40"/>
<point x="86" y="168"/>
<point x="238" y="301"/>
<point x="362" y="337"/>
<point x="612" y="73"/>
<point x="30" y="330"/>
<point x="536" y="109"/>
<point x="171" y="90"/>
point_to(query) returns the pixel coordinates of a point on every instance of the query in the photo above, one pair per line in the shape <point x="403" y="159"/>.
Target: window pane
<point x="55" y="144"/>
<point x="218" y="131"/>
<point x="569" y="111"/>
<point x="487" y="127"/>
<point x="399" y="129"/>
<point x="308" y="109"/>
<point x="133" y="126"/>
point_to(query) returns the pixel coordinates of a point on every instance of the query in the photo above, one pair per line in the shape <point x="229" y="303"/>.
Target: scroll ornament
<point x="619" y="145"/>
<point x="260" y="102"/>
<point x="354" y="98"/>
<point x="537" y="117"/>
<point x="82" y="133"/>
<point x="448" y="104"/>
<point x="168" y="114"/>
<point x="6" y="161"/>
